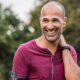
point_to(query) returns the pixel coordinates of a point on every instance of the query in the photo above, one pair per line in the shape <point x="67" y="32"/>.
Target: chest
<point x="47" y="67"/>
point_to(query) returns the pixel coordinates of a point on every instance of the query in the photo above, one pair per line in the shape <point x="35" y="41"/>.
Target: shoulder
<point x="24" y="48"/>
<point x="22" y="52"/>
<point x="26" y="45"/>
<point x="73" y="51"/>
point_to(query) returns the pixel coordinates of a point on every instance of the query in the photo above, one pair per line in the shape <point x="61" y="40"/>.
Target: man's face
<point x="51" y="22"/>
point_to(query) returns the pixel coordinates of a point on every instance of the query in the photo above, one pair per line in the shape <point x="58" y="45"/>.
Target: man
<point x="42" y="58"/>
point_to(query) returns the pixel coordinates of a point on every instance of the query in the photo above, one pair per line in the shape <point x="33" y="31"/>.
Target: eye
<point x="55" y="20"/>
<point x="45" y="20"/>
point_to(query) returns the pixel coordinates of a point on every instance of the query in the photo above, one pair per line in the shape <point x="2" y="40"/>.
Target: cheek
<point x="60" y="30"/>
<point x="60" y="27"/>
<point x="43" y="25"/>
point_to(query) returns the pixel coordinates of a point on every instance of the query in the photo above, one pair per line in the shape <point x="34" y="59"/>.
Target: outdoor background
<point x="14" y="31"/>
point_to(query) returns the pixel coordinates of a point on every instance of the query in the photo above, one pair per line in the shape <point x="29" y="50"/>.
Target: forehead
<point x="52" y="11"/>
<point x="50" y="17"/>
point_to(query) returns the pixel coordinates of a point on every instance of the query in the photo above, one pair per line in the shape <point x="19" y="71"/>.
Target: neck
<point x="42" y="42"/>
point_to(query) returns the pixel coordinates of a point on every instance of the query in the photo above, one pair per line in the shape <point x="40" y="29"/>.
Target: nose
<point x="50" y="25"/>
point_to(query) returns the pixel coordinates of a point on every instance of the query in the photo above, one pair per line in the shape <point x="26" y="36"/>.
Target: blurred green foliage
<point x="14" y="32"/>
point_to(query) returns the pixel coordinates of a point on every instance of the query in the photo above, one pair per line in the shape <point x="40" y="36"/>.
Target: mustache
<point x="52" y="29"/>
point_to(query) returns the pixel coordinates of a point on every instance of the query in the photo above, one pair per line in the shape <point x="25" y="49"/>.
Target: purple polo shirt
<point x="38" y="63"/>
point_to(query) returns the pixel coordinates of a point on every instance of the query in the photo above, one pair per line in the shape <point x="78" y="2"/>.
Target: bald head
<point x="53" y="5"/>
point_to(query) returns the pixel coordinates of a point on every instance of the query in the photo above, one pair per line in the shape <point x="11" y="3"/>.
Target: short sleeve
<point x="21" y="62"/>
<point x="74" y="54"/>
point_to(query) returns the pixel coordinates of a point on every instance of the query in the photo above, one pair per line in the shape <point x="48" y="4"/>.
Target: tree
<point x="8" y="25"/>
<point x="13" y="32"/>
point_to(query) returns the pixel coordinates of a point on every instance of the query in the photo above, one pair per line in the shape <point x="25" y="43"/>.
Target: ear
<point x="65" y="21"/>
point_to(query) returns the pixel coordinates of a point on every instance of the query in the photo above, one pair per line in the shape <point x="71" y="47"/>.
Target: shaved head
<point x="53" y="4"/>
<point x="52" y="21"/>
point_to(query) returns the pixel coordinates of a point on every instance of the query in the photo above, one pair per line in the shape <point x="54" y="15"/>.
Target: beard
<point x="52" y="36"/>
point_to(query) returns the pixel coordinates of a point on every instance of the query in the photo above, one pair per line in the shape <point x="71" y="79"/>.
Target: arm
<point x="72" y="70"/>
<point x="14" y="77"/>
<point x="20" y="65"/>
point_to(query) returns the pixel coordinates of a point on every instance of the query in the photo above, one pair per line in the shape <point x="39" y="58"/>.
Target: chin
<point x="52" y="40"/>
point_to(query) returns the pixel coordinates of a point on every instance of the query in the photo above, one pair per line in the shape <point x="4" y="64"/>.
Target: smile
<point x="51" y="33"/>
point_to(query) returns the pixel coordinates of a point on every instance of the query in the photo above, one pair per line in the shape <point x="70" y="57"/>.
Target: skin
<point x="52" y="22"/>
<point x="72" y="70"/>
<point x="50" y="29"/>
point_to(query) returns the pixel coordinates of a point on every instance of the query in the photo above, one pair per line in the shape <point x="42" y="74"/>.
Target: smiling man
<point x="52" y="21"/>
<point x="41" y="58"/>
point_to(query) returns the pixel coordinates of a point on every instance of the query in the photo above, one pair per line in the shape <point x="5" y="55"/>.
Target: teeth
<point x="51" y="32"/>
